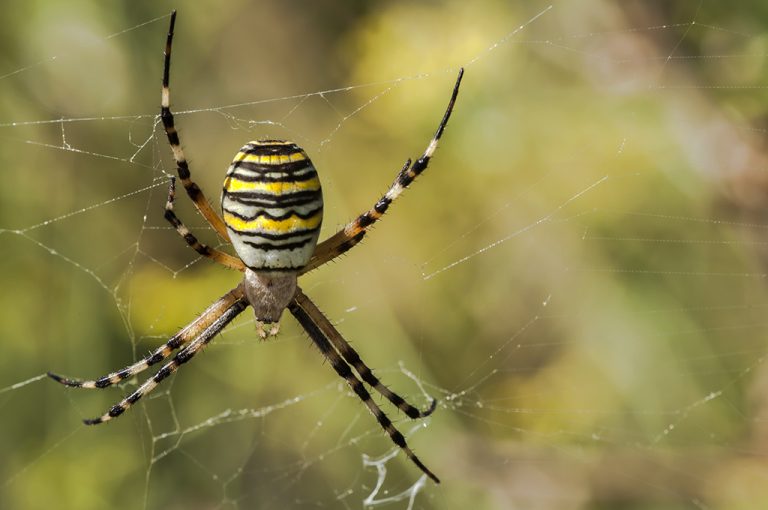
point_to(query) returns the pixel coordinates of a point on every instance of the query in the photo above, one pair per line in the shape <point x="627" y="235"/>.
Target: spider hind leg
<point x="346" y="238"/>
<point x="182" y="166"/>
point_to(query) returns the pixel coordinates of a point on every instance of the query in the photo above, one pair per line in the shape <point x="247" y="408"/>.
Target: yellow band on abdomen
<point x="267" y="225"/>
<point x="233" y="185"/>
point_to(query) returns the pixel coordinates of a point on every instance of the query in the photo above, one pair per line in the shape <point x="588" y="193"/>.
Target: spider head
<point x="269" y="293"/>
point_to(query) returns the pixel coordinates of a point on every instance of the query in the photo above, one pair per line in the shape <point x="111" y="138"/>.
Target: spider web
<point x="579" y="278"/>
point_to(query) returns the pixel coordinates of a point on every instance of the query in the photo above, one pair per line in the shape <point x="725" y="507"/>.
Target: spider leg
<point x="193" y="190"/>
<point x="183" y="356"/>
<point x="206" y="251"/>
<point x="193" y="330"/>
<point x="318" y="327"/>
<point x="351" y="356"/>
<point x="354" y="231"/>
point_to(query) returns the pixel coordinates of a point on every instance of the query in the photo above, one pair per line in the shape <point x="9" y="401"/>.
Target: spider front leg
<point x="183" y="356"/>
<point x="204" y="250"/>
<point x="355" y="230"/>
<point x="210" y="322"/>
<point x="351" y="356"/>
<point x="323" y="334"/>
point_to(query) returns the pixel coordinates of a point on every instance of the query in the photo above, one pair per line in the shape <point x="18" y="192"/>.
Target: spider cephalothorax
<point x="273" y="207"/>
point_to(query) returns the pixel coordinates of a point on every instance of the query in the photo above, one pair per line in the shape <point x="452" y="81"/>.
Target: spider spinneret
<point x="272" y="208"/>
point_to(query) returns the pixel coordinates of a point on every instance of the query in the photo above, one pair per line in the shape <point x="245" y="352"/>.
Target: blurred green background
<point x="580" y="277"/>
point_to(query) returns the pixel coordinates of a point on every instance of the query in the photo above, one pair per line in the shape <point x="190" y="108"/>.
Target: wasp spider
<point x="273" y="207"/>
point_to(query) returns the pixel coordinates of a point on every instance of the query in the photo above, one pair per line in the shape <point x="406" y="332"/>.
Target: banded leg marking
<point x="193" y="190"/>
<point x="207" y="318"/>
<point x="206" y="251"/>
<point x="308" y="316"/>
<point x="355" y="230"/>
<point x="183" y="356"/>
<point x="352" y="357"/>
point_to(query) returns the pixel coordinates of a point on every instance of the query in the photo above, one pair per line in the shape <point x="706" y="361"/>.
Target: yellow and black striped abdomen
<point x="273" y="205"/>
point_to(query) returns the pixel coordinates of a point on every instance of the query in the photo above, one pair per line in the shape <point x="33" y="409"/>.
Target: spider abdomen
<point x="273" y="205"/>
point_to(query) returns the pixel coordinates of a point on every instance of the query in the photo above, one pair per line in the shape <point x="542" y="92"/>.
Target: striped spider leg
<point x="343" y="240"/>
<point x="197" y="335"/>
<point x="218" y="256"/>
<point x="182" y="166"/>
<point x="323" y="334"/>
<point x="272" y="208"/>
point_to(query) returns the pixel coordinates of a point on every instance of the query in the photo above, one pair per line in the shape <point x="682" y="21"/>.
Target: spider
<point x="272" y="210"/>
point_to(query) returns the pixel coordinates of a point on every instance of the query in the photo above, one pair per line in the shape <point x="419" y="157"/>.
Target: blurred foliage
<point x="579" y="278"/>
